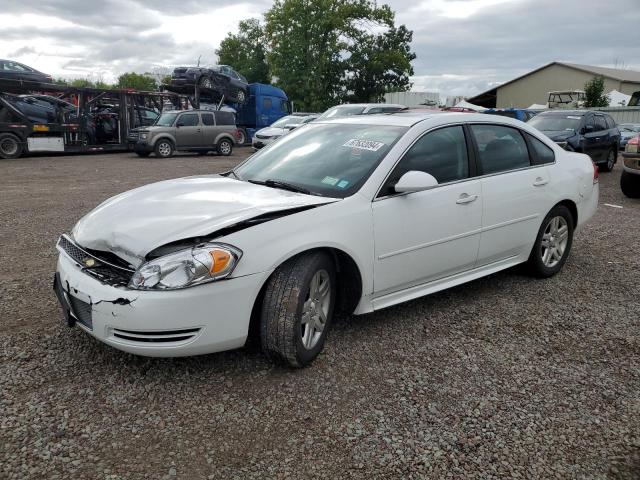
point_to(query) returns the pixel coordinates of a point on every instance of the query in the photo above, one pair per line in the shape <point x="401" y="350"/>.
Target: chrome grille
<point x="160" y="336"/>
<point x="100" y="268"/>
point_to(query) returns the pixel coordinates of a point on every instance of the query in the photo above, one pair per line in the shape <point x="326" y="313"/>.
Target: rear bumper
<point x="204" y="319"/>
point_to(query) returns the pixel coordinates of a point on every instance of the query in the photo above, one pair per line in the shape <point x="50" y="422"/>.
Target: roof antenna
<point x="199" y="61"/>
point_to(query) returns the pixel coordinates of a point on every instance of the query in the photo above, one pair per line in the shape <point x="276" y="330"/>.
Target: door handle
<point x="540" y="182"/>
<point x="597" y="138"/>
<point x="466" y="198"/>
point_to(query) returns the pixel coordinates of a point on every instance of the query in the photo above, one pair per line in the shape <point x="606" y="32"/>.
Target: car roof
<point x="409" y="118"/>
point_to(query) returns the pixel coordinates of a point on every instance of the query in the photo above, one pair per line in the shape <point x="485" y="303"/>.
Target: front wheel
<point x="298" y="308"/>
<point x="611" y="161"/>
<point x="630" y="184"/>
<point x="225" y="147"/>
<point x="10" y="146"/>
<point x="164" y="148"/>
<point x="553" y="243"/>
<point x="241" y="96"/>
<point x="206" y="82"/>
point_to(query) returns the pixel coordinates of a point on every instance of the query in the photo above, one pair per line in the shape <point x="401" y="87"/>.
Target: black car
<point x="10" y="70"/>
<point x="219" y="79"/>
<point x="584" y="131"/>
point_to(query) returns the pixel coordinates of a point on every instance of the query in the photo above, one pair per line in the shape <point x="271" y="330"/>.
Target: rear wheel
<point x="553" y="243"/>
<point x="206" y="82"/>
<point x="241" y="96"/>
<point x="611" y="161"/>
<point x="630" y="184"/>
<point x="225" y="147"/>
<point x="164" y="148"/>
<point x="242" y="136"/>
<point x="10" y="146"/>
<point x="297" y="309"/>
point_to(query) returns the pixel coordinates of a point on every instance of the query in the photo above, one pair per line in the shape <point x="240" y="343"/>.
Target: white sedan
<point x="355" y="214"/>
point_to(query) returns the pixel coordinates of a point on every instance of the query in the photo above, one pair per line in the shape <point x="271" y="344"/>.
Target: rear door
<point x="593" y="138"/>
<point x="515" y="191"/>
<point x="209" y="128"/>
<point x="189" y="131"/>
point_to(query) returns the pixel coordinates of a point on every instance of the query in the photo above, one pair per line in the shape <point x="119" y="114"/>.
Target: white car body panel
<point x="401" y="249"/>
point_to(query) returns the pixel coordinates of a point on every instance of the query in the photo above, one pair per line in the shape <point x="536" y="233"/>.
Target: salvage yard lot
<point x="506" y="376"/>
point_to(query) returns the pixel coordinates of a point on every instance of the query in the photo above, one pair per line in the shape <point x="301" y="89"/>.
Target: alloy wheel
<point x="554" y="241"/>
<point x="316" y="309"/>
<point x="164" y="149"/>
<point x="610" y="160"/>
<point x="225" y="148"/>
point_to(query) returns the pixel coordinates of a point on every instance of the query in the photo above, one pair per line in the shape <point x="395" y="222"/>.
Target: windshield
<point x="332" y="160"/>
<point x="288" y="120"/>
<point x="629" y="127"/>
<point x="342" y="111"/>
<point x="555" y="123"/>
<point x="166" y="119"/>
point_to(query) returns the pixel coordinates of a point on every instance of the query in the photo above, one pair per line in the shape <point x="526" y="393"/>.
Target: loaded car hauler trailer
<point x="90" y="120"/>
<point x="264" y="105"/>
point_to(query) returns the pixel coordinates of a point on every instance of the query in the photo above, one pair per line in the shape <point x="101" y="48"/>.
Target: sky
<point x="463" y="47"/>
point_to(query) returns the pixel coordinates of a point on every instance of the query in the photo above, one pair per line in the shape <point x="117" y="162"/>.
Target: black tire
<point x="164" y="148"/>
<point x="143" y="154"/>
<point x="536" y="263"/>
<point x="225" y="147"/>
<point x="607" y="166"/>
<point x="630" y="184"/>
<point x="205" y="82"/>
<point x="10" y="146"/>
<point x="241" y="96"/>
<point x="286" y="294"/>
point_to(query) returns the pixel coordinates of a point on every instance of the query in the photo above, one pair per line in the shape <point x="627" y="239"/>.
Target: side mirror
<point x="415" y="181"/>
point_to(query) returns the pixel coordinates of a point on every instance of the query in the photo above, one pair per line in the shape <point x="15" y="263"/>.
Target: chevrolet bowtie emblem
<point x="88" y="262"/>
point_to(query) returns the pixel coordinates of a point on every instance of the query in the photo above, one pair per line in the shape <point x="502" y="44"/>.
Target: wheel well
<point x="572" y="208"/>
<point x="169" y="139"/>
<point x="349" y="287"/>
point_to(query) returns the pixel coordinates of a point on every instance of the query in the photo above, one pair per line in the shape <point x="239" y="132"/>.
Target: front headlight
<point x="143" y="136"/>
<point x="185" y="268"/>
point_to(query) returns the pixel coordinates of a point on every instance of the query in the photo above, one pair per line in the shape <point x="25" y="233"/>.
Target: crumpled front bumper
<point x="203" y="319"/>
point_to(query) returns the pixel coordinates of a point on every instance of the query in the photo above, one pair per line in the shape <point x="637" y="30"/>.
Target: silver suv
<point x="192" y="131"/>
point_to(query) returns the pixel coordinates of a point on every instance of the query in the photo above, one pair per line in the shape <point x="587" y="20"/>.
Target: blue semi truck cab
<point x="265" y="105"/>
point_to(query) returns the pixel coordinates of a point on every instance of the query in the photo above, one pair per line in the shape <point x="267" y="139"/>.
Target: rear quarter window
<point x="225" y="118"/>
<point x="541" y="154"/>
<point x="501" y="148"/>
<point x="207" y="119"/>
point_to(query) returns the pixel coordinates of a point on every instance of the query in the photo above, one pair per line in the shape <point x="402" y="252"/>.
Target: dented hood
<point x="138" y="221"/>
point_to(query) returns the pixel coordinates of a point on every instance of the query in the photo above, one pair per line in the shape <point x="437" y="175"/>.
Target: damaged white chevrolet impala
<point x="353" y="214"/>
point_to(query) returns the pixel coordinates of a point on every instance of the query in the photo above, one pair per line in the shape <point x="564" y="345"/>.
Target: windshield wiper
<point x="281" y="185"/>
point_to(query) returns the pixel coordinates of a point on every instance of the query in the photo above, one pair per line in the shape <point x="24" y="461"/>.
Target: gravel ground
<point x="504" y="377"/>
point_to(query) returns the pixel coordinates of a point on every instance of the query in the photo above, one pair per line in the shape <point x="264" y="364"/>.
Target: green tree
<point x="137" y="81"/>
<point x="380" y="64"/>
<point x="315" y="47"/>
<point x="594" y="93"/>
<point x="81" y="83"/>
<point x="245" y="51"/>
<point x="166" y="80"/>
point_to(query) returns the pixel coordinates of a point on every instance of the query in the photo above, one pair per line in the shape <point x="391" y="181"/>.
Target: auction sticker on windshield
<point x="370" y="145"/>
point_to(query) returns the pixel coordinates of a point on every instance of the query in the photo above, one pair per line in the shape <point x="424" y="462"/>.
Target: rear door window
<point x="610" y="122"/>
<point x="207" y="119"/>
<point x="188" y="120"/>
<point x="500" y="148"/>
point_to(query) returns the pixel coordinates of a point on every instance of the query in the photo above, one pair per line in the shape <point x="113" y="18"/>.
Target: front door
<point x="424" y="236"/>
<point x="189" y="131"/>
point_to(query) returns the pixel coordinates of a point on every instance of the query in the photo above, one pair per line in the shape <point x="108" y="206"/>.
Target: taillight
<point x="634" y="141"/>
<point x="595" y="172"/>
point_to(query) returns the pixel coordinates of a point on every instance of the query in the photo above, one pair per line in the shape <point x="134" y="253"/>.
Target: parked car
<point x="360" y="109"/>
<point x="10" y="70"/>
<point x="42" y="108"/>
<point x="627" y="132"/>
<point x="222" y="79"/>
<point x="192" y="130"/>
<point x="584" y="131"/>
<point x="354" y="214"/>
<point x="281" y="127"/>
<point x="521" y="114"/>
<point x="630" y="178"/>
